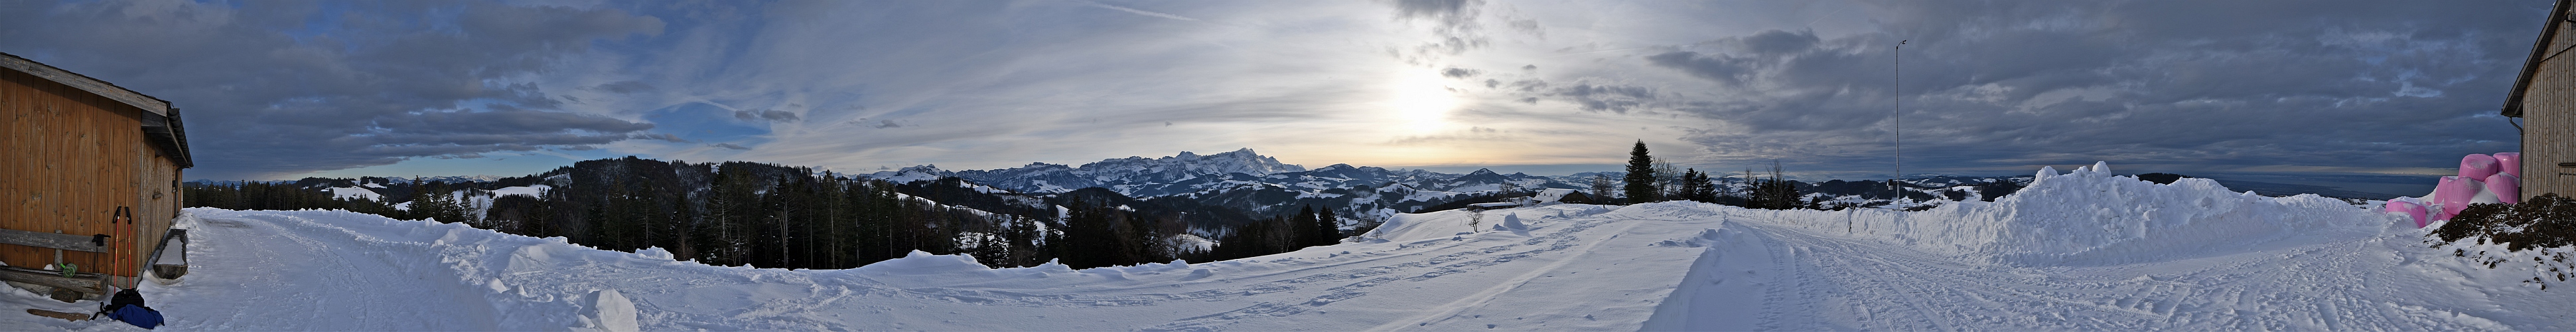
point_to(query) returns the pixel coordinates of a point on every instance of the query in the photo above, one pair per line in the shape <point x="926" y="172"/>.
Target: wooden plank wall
<point x="2549" y="120"/>
<point x="67" y="161"/>
<point x="159" y="197"/>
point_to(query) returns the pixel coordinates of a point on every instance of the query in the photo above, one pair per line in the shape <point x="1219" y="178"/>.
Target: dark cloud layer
<point x="282" y="87"/>
<point x="1990" y="84"/>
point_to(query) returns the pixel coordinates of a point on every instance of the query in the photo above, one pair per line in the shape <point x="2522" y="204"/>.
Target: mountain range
<point x="1228" y="188"/>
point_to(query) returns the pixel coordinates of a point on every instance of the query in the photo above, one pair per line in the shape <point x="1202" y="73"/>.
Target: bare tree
<point x="1601" y="185"/>
<point x="1667" y="178"/>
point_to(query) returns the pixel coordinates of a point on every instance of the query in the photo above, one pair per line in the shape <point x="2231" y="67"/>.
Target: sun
<point x="1419" y="101"/>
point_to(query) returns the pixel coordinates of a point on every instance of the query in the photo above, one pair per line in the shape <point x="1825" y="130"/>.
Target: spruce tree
<point x="1304" y="225"/>
<point x="1641" y="175"/>
<point x="1328" y="230"/>
<point x="1707" y="190"/>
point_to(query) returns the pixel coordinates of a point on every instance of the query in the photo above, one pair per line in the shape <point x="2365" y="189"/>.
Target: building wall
<point x="68" y="159"/>
<point x="158" y="203"/>
<point x="2549" y="115"/>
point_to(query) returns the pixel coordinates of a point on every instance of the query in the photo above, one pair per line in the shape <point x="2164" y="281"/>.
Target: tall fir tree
<point x="1303" y="224"/>
<point x="1686" y="186"/>
<point x="1641" y="175"/>
<point x="1328" y="230"/>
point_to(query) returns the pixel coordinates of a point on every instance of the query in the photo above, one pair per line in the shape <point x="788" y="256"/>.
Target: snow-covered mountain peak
<point x="911" y="174"/>
<point x="1239" y="161"/>
<point x="1126" y="175"/>
<point x="1482" y="176"/>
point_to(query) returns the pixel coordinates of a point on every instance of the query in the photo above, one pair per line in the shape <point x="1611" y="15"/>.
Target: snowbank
<point x="356" y="193"/>
<point x="2090" y="217"/>
<point x="530" y="191"/>
<point x="1440" y="224"/>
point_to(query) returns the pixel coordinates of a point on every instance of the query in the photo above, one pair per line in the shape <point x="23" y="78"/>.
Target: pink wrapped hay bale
<point x="2454" y="194"/>
<point x="2511" y="163"/>
<point x="2410" y="210"/>
<point x="2506" y="187"/>
<point x="2478" y="166"/>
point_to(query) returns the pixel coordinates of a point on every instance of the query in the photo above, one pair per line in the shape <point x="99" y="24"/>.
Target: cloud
<point x="623" y="87"/>
<point x="274" y="88"/>
<point x="1138" y="11"/>
<point x="1469" y="136"/>
<point x="662" y="137"/>
<point x="764" y="115"/>
<point x="1605" y="97"/>
<point x="1453" y="22"/>
<point x="503" y="119"/>
<point x="1454" y="72"/>
<point x="1998" y="85"/>
<point x="290" y="88"/>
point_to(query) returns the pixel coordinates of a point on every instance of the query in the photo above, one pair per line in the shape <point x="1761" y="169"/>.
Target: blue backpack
<point x="128" y="307"/>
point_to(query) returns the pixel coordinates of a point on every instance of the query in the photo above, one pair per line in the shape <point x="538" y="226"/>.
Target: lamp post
<point x="1892" y="184"/>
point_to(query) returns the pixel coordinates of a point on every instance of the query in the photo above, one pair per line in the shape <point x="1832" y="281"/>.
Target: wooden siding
<point x="68" y="159"/>
<point x="2549" y="119"/>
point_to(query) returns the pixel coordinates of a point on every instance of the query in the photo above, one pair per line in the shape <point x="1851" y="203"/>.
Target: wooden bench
<point x="82" y="283"/>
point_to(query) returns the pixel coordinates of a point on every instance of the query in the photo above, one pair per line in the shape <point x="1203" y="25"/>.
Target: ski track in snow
<point x="1664" y="266"/>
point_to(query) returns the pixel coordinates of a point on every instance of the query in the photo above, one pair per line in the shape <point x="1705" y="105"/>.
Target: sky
<point x="289" y="89"/>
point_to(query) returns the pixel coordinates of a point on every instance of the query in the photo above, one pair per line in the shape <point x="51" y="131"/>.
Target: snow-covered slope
<point x="2089" y="216"/>
<point x="536" y="190"/>
<point x="355" y="193"/>
<point x="2077" y="251"/>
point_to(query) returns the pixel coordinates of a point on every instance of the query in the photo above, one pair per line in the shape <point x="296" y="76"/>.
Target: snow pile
<point x="530" y="191"/>
<point x="356" y="193"/>
<point x="1550" y="195"/>
<point x="609" y="311"/>
<point x="2090" y="217"/>
<point x="1450" y="223"/>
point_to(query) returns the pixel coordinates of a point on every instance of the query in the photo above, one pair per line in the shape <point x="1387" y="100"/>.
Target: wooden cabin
<point x="80" y="158"/>
<point x="2545" y="98"/>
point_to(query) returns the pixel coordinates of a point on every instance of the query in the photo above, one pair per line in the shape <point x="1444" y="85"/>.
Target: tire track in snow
<point x="1841" y="283"/>
<point x="1452" y="308"/>
<point x="1436" y="266"/>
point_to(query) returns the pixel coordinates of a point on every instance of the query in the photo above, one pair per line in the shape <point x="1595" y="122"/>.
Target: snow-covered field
<point x="2081" y="250"/>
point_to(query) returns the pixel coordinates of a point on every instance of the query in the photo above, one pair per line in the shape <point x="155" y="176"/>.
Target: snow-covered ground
<point x="355" y="193"/>
<point x="2075" y="251"/>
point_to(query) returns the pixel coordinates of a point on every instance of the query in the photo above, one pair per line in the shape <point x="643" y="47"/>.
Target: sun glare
<point x="1420" y="102"/>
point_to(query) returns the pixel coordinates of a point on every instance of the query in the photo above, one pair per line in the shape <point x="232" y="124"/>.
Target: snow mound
<point x="1550" y="195"/>
<point x="2090" y="217"/>
<point x="1443" y="224"/>
<point x="611" y="311"/>
<point x="919" y="262"/>
<point x="530" y="191"/>
<point x="356" y="193"/>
